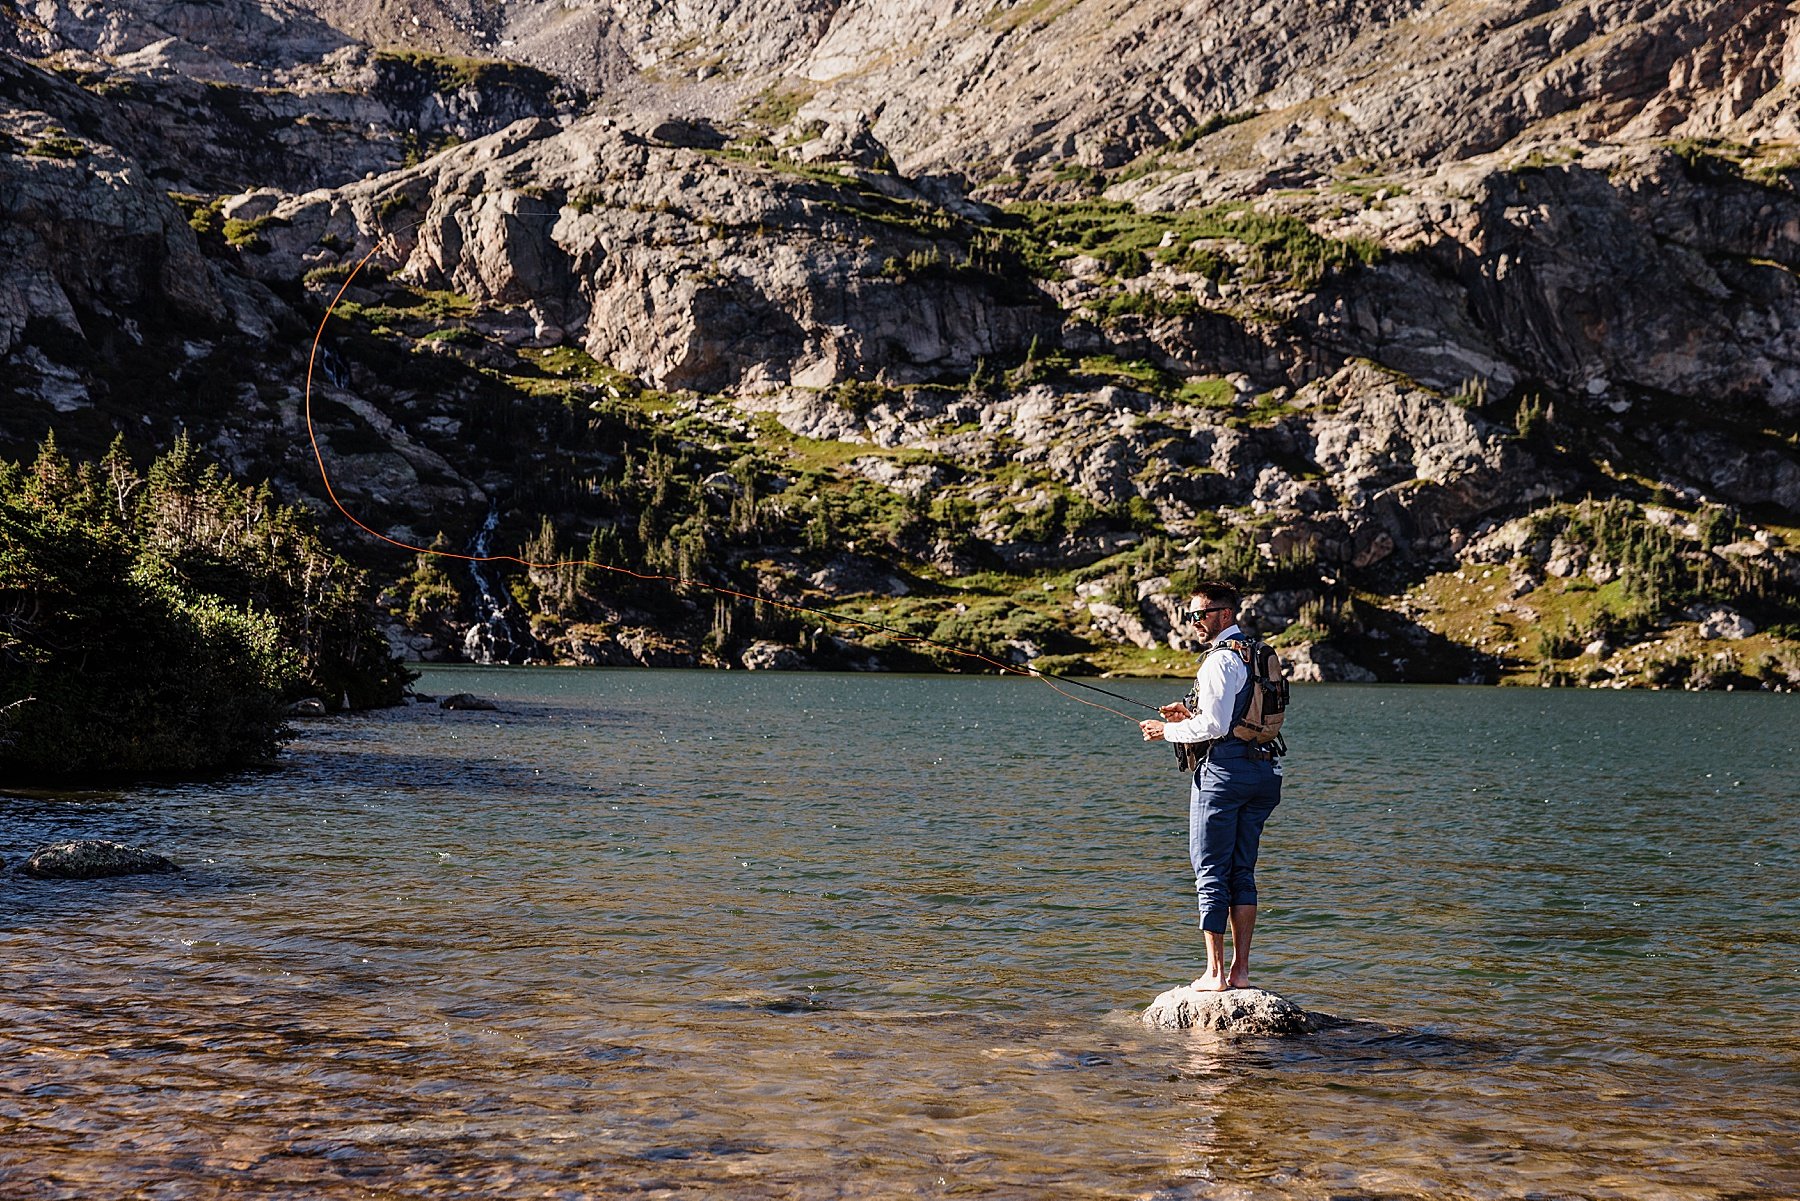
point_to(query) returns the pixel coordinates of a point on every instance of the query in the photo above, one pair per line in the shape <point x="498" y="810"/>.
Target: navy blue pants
<point x="1232" y="798"/>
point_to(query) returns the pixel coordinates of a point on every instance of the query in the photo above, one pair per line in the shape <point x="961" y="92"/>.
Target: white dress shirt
<point x="1217" y="682"/>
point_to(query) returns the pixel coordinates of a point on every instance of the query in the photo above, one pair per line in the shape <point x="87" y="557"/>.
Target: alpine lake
<point x="772" y="935"/>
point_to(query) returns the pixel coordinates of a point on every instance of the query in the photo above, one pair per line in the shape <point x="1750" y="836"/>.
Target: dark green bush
<point x="161" y="622"/>
<point x="1533" y="420"/>
<point x="1240" y="559"/>
<point x="1558" y="642"/>
<point x="427" y="597"/>
<point x="126" y="674"/>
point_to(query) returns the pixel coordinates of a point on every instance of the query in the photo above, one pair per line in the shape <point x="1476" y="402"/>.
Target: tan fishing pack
<point x="1261" y="724"/>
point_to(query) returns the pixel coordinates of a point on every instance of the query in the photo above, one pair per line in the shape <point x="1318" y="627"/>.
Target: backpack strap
<point x="1244" y="648"/>
<point x="1250" y="649"/>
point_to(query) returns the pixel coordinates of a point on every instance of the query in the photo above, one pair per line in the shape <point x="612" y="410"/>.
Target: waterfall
<point x="332" y="367"/>
<point x="491" y="639"/>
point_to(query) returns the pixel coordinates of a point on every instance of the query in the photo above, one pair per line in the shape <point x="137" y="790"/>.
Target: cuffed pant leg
<point x="1212" y="843"/>
<point x="1247" y="840"/>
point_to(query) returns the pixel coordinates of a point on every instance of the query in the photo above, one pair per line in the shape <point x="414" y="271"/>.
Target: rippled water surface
<point x="828" y="936"/>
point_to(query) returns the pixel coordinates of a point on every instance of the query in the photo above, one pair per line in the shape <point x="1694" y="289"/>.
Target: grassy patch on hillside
<point x="1611" y="623"/>
<point x="760" y="152"/>
<point x="1037" y="14"/>
<point x="1149" y="305"/>
<point x="246" y="235"/>
<point x="57" y="146"/>
<point x="454" y="72"/>
<point x="1126" y="241"/>
<point x="410" y="307"/>
<point x="1208" y="393"/>
<point x="778" y="105"/>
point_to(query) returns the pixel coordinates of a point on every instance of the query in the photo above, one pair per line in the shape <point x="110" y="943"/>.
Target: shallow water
<point x="783" y="935"/>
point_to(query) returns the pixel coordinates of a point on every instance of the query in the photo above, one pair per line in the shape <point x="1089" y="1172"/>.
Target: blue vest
<point x="1239" y="707"/>
<point x="1229" y="742"/>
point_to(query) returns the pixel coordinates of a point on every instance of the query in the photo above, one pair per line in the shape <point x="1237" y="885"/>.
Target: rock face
<point x="237" y="37"/>
<point x="1249" y="1011"/>
<point x="1723" y="623"/>
<point x="1677" y="313"/>
<point x="1318" y="664"/>
<point x="130" y="243"/>
<point x="678" y="265"/>
<point x="93" y="858"/>
<point x="206" y="128"/>
<point x="1074" y="282"/>
<point x="1022" y="86"/>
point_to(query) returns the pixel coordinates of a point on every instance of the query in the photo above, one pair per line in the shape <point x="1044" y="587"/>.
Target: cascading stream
<point x="491" y="639"/>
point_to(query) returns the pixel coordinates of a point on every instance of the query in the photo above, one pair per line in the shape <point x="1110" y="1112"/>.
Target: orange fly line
<point x="675" y="580"/>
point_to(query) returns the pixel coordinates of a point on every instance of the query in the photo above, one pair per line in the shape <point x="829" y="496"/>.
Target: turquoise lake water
<point x="825" y="936"/>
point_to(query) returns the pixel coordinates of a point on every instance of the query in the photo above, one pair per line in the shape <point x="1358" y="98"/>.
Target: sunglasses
<point x="1195" y="615"/>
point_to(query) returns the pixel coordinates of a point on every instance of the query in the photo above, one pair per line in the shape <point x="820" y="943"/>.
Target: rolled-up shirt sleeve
<point x="1218" y="681"/>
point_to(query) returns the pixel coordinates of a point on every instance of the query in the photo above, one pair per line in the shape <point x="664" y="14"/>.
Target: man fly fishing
<point x="1228" y="733"/>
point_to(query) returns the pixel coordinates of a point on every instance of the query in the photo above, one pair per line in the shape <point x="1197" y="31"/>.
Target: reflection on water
<point x="826" y="936"/>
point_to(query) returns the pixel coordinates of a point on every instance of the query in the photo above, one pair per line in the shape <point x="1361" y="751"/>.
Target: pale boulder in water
<point x="92" y="858"/>
<point x="1253" y="1011"/>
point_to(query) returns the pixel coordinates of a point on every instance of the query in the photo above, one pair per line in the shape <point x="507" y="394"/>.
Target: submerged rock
<point x="92" y="858"/>
<point x="1253" y="1011"/>
<point x="467" y="700"/>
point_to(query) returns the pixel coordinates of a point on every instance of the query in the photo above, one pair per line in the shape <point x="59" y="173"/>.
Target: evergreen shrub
<point x="160" y="623"/>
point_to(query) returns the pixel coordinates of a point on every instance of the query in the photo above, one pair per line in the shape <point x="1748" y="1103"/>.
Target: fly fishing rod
<point x="1049" y="679"/>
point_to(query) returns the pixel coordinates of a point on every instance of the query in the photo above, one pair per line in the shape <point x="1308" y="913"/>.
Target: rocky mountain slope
<point x="1468" y="333"/>
<point x="1024" y="85"/>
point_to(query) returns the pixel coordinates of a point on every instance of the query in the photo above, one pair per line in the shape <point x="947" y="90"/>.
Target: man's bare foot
<point x="1211" y="982"/>
<point x="1239" y="978"/>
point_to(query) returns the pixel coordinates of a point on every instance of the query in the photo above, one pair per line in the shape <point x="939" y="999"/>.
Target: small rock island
<point x="94" y="859"/>
<point x="1252" y="1011"/>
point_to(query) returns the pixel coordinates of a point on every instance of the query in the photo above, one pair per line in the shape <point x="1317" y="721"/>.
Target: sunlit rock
<point x="772" y="656"/>
<point x="1320" y="663"/>
<point x="1252" y="1011"/>
<point x="1722" y="621"/>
